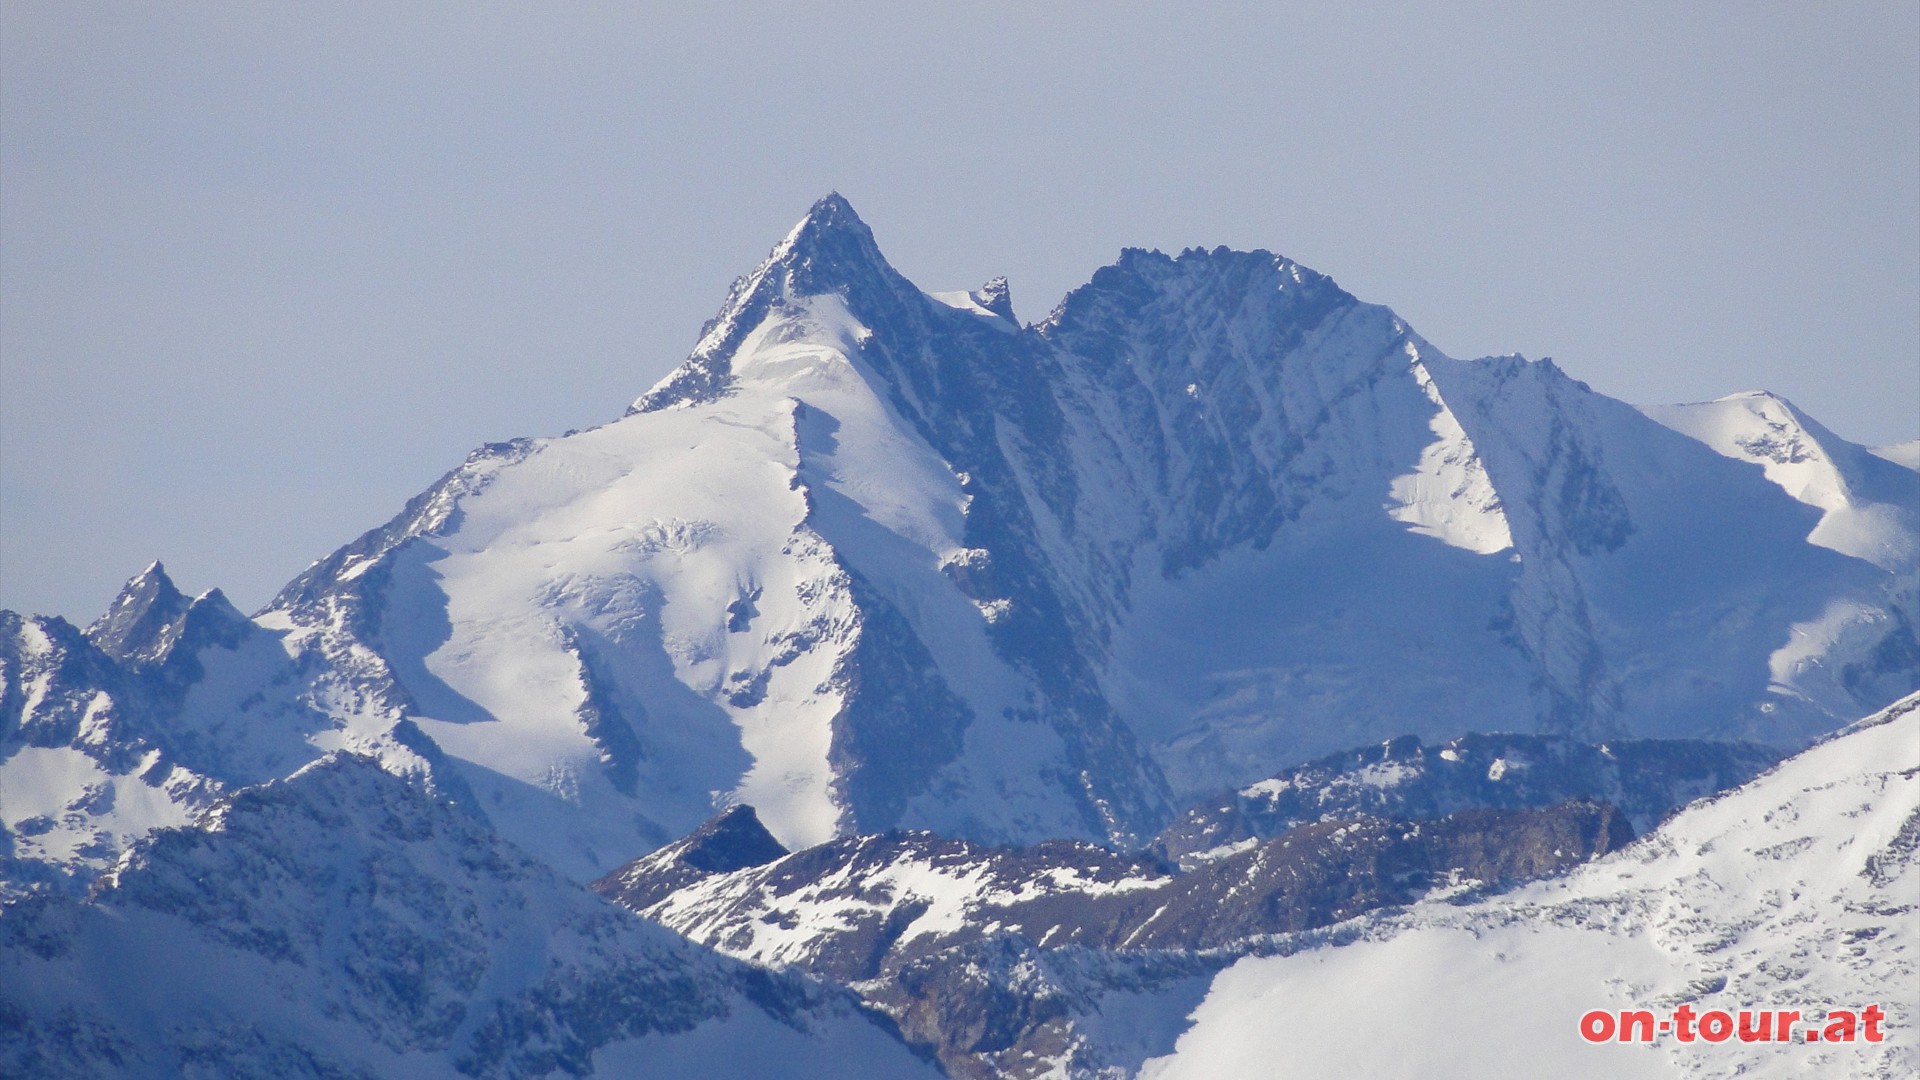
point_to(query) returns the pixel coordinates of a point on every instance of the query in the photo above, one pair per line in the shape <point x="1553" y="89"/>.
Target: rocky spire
<point x="143" y="621"/>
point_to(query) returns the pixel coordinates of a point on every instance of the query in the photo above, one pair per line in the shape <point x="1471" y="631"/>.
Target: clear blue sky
<point x="265" y="272"/>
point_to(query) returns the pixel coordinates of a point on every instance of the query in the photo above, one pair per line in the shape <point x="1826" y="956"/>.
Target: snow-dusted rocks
<point x="341" y="923"/>
<point x="79" y="777"/>
<point x="140" y="722"/>
<point x="1795" y="891"/>
<point x="1003" y="962"/>
<point x="1646" y="780"/>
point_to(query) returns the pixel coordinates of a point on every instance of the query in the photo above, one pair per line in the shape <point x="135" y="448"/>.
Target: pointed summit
<point x="830" y="252"/>
<point x="830" y="213"/>
<point x="991" y="301"/>
<point x="211" y="619"/>
<point x="143" y="620"/>
<point x="733" y="840"/>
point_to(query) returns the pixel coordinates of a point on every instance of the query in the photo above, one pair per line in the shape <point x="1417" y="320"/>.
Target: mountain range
<point x="1007" y="671"/>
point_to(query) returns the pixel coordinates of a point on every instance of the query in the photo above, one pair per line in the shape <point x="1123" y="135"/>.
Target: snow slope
<point x="1906" y="454"/>
<point x="744" y="598"/>
<point x="1868" y="503"/>
<point x="1796" y="891"/>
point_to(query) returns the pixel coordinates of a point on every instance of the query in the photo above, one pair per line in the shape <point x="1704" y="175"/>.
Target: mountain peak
<point x="829" y="249"/>
<point x="211" y="619"/>
<point x="732" y="841"/>
<point x="1862" y="499"/>
<point x="1204" y="282"/>
<point x="829" y="252"/>
<point x="829" y="212"/>
<point x="141" y="621"/>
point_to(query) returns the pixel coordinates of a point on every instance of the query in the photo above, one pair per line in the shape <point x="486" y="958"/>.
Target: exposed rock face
<point x="735" y="840"/>
<point x="144" y="621"/>
<point x="142" y="721"/>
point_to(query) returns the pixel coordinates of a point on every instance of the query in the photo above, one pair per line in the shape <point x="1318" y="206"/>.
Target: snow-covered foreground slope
<point x="1800" y="890"/>
<point x="874" y="558"/>
<point x="342" y="924"/>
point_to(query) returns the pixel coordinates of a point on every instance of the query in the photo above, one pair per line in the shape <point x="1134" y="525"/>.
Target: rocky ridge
<point x="997" y="959"/>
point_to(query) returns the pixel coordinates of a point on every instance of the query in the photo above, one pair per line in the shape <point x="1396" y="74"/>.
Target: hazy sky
<point x="265" y="272"/>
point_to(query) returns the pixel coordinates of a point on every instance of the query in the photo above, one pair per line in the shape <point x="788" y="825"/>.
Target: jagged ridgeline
<point x="879" y="558"/>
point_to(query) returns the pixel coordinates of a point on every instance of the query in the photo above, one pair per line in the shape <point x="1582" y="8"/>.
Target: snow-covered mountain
<point x="1870" y="505"/>
<point x="140" y="722"/>
<point x="945" y="616"/>
<point x="875" y="558"/>
<point x="343" y="924"/>
<point x="1799" y="891"/>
